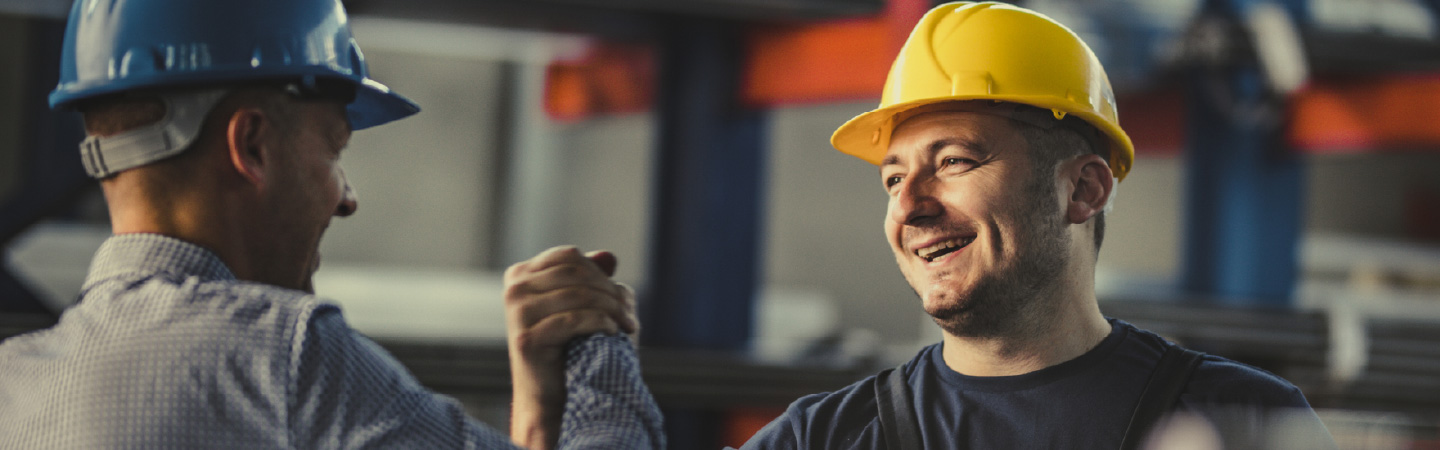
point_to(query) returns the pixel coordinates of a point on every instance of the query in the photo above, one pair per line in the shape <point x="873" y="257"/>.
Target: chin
<point x="971" y="310"/>
<point x="943" y="302"/>
<point x="947" y="288"/>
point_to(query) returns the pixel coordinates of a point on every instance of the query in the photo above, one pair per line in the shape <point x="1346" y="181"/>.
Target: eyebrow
<point x="935" y="147"/>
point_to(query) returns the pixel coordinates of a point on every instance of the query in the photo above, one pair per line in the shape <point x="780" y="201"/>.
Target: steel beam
<point x="709" y="171"/>
<point x="708" y="177"/>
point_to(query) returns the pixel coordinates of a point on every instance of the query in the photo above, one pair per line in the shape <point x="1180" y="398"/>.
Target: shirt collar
<point x="153" y="253"/>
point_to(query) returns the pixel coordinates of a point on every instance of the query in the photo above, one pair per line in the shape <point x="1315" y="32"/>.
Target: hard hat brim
<point x="374" y="103"/>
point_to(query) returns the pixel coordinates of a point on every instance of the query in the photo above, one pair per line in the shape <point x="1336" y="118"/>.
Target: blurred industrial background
<point x="1283" y="210"/>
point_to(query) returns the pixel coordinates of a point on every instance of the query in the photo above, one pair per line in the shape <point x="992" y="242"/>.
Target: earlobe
<point x="1092" y="185"/>
<point x="244" y="140"/>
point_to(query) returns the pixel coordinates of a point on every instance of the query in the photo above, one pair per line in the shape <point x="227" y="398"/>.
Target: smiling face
<point x="976" y="230"/>
<point x="309" y="188"/>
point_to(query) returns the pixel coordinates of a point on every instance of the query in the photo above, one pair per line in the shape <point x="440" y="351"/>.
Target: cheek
<point x="892" y="229"/>
<point x="337" y="182"/>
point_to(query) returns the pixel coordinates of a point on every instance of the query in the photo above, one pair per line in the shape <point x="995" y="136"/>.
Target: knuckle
<point x="582" y="293"/>
<point x="514" y="292"/>
<point x="560" y="253"/>
<point x="570" y="271"/>
<point x="572" y="319"/>
<point x="625" y="289"/>
<point x="525" y="340"/>
<point x="514" y="270"/>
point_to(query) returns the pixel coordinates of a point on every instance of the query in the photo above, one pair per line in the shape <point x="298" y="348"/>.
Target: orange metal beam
<point x="842" y="60"/>
<point x="1367" y="114"/>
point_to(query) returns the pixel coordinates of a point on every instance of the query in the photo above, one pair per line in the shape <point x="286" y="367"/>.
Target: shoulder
<point x="253" y="309"/>
<point x="855" y="404"/>
<point x="1248" y="406"/>
<point x="845" y="418"/>
<point x="195" y="320"/>
<point x="824" y="420"/>
<point x="1221" y="381"/>
<point x="1252" y="408"/>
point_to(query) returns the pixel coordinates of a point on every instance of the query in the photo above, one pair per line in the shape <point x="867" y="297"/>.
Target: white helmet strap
<point x="185" y="111"/>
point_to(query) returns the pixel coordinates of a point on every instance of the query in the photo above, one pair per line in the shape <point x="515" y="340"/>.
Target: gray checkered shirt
<point x="166" y="349"/>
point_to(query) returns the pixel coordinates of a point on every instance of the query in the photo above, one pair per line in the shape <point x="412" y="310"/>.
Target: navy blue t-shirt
<point x="1084" y="403"/>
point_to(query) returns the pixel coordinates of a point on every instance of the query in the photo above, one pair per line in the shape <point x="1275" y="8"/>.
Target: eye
<point x="891" y="181"/>
<point x="957" y="161"/>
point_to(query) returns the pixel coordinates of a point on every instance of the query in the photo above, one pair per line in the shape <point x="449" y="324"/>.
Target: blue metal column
<point x="1245" y="186"/>
<point x="705" y="228"/>
<point x="54" y="178"/>
<point x="704" y="254"/>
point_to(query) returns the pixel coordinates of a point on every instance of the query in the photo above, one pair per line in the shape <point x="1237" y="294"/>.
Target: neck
<point x="191" y="213"/>
<point x="1071" y="328"/>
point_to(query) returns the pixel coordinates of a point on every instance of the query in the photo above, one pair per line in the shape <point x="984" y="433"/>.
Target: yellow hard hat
<point x="991" y="51"/>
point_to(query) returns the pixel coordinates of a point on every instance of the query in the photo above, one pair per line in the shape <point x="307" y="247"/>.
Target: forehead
<point x="326" y="118"/>
<point x="920" y="132"/>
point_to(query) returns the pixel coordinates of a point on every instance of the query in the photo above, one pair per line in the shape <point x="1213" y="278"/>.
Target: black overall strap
<point x="897" y="413"/>
<point x="1166" y="383"/>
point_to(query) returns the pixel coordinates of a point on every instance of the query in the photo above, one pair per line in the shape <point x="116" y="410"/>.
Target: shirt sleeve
<point x="779" y="434"/>
<point x="349" y="393"/>
<point x="607" y="405"/>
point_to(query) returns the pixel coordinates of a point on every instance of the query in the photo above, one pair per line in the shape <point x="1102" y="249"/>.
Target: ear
<point x="1091" y="181"/>
<point x="246" y="134"/>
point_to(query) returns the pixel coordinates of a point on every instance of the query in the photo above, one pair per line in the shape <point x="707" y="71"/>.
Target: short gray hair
<point x="1051" y="146"/>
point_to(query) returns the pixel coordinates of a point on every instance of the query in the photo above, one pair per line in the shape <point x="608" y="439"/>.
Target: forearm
<point x="537" y="404"/>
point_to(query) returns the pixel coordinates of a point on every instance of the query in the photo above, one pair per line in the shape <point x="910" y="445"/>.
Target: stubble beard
<point x="1012" y="302"/>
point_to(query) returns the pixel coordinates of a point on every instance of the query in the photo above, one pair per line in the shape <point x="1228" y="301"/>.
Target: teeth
<point x="931" y="252"/>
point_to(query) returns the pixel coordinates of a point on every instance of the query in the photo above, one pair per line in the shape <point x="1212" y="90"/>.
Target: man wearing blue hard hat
<point x="216" y="129"/>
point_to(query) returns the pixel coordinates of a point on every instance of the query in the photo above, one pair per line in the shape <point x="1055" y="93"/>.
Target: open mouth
<point x="942" y="248"/>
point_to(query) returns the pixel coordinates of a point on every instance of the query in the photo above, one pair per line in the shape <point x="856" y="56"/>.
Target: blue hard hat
<point x="114" y="46"/>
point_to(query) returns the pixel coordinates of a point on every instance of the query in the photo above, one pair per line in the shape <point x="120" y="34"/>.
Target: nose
<point x="914" y="203"/>
<point x="348" y="202"/>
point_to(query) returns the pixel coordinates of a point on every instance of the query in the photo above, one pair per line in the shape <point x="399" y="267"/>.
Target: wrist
<point x="532" y="434"/>
<point x="537" y="407"/>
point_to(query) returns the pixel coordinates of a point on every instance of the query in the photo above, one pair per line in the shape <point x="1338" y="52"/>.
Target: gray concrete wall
<point x="423" y="183"/>
<point x="824" y="230"/>
<point x="607" y="189"/>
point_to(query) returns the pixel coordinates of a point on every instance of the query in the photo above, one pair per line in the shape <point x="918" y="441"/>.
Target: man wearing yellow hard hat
<point x="998" y="142"/>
